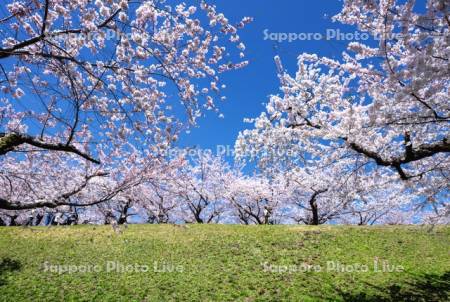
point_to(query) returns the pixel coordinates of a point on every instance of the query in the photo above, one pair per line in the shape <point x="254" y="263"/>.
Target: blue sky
<point x="249" y="88"/>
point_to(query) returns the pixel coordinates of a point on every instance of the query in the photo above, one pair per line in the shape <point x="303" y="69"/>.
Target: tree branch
<point x="411" y="154"/>
<point x="10" y="141"/>
<point x="62" y="200"/>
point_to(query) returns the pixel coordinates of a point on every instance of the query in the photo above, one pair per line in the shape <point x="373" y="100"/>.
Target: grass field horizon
<point x="225" y="263"/>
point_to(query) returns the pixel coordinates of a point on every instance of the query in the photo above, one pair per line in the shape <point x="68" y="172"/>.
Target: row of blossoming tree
<point x="203" y="188"/>
<point x="95" y="95"/>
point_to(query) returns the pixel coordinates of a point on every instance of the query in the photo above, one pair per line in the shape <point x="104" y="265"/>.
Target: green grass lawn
<point x="224" y="263"/>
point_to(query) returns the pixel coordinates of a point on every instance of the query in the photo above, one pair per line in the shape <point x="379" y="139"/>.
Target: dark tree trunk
<point x="315" y="213"/>
<point x="151" y="217"/>
<point x="39" y="218"/>
<point x="314" y="208"/>
<point x="13" y="221"/>
<point x="122" y="219"/>
<point x="124" y="213"/>
<point x="163" y="218"/>
<point x="197" y="212"/>
<point x="198" y="219"/>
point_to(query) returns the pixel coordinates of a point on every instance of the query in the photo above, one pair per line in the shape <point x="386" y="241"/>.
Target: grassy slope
<point x="223" y="263"/>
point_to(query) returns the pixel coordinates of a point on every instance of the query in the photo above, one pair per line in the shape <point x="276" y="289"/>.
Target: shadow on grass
<point x="8" y="265"/>
<point x="426" y="288"/>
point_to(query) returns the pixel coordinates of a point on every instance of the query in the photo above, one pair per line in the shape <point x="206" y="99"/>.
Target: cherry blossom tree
<point x="382" y="110"/>
<point x="257" y="199"/>
<point x="377" y="201"/>
<point x="86" y="84"/>
<point x="200" y="186"/>
<point x="154" y="196"/>
<point x="316" y="197"/>
<point x="162" y="203"/>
